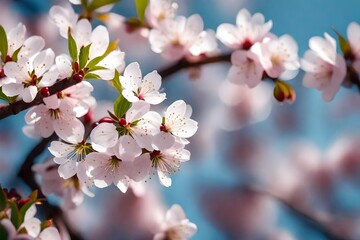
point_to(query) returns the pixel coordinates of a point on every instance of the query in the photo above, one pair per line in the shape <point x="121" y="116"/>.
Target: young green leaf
<point x="121" y="105"/>
<point x="91" y="76"/>
<point x="3" y="44"/>
<point x="84" y="56"/>
<point x="34" y="195"/>
<point x="140" y="8"/>
<point x="15" y="54"/>
<point x="24" y="209"/>
<point x="343" y="43"/>
<point x="15" y="215"/>
<point x="95" y="4"/>
<point x="72" y="47"/>
<point x="116" y="82"/>
<point x="3" y="199"/>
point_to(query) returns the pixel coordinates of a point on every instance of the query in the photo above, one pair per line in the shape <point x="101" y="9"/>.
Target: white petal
<point x="29" y="93"/>
<point x="43" y="61"/>
<point x="31" y="46"/>
<point x="99" y="41"/>
<point x="71" y="130"/>
<point x="60" y="149"/>
<point x="163" y="140"/>
<point x="165" y="180"/>
<point x="13" y="89"/>
<point x="67" y="170"/>
<point x="50" y="233"/>
<point x="63" y="64"/>
<point x="105" y="135"/>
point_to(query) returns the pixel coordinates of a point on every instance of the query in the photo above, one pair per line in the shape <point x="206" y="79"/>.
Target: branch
<point x="184" y="63"/>
<point x="27" y="175"/>
<point x="16" y="107"/>
<point x="307" y="217"/>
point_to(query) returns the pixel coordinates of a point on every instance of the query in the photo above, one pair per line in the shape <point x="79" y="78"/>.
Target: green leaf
<point x="15" y="54"/>
<point x="95" y="61"/>
<point x="99" y="3"/>
<point x="343" y="43"/>
<point x="15" y="215"/>
<point x="34" y="195"/>
<point x="84" y="3"/>
<point x="97" y="68"/>
<point x="3" y="232"/>
<point x="121" y="105"/>
<point x="23" y="210"/>
<point x="91" y="76"/>
<point x="3" y="200"/>
<point x="116" y="82"/>
<point x="3" y="44"/>
<point x="140" y="8"/>
<point x="72" y="46"/>
<point x="3" y="96"/>
<point x="84" y="56"/>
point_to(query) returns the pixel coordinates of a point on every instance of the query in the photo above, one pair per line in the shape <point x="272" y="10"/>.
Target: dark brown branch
<point x="306" y="216"/>
<point x="16" y="107"/>
<point x="27" y="175"/>
<point x="183" y="64"/>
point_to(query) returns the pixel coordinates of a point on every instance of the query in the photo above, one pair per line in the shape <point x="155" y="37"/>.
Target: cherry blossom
<point x="353" y="34"/>
<point x="32" y="226"/>
<point x="325" y="69"/>
<point x="43" y="121"/>
<point x="63" y="18"/>
<point x="278" y="56"/>
<point x="135" y="88"/>
<point x="79" y="96"/>
<point x="103" y="9"/>
<point x="164" y="163"/>
<point x="30" y="75"/>
<point x="181" y="36"/>
<point x="249" y="30"/>
<point x="71" y="190"/>
<point x="107" y="169"/>
<point x="176" y="226"/>
<point x="159" y="10"/>
<point x="245" y="70"/>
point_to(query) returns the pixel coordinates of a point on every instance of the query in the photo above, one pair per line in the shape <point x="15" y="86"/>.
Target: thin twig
<point x="183" y="64"/>
<point x="18" y="106"/>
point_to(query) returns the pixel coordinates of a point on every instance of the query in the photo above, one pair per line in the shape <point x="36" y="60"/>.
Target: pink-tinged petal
<point x="174" y="53"/>
<point x="142" y="167"/>
<point x="29" y="93"/>
<point x="30" y="213"/>
<point x="204" y="43"/>
<point x="143" y="140"/>
<point x="243" y="17"/>
<point x="163" y="140"/>
<point x="152" y="81"/>
<point x="132" y="76"/>
<point x="137" y="110"/>
<point x="128" y="144"/>
<point x="353" y="34"/>
<point x="102" y="176"/>
<point x="60" y="149"/>
<point x="35" y="114"/>
<point x="17" y="71"/>
<point x="71" y="131"/>
<point x="99" y="41"/>
<point x="165" y="180"/>
<point x="324" y="47"/>
<point x="188" y="129"/>
<point x="175" y="214"/>
<point x="229" y="35"/>
<point x="52" y="102"/>
<point x="155" y="98"/>
<point x="43" y="61"/>
<point x="67" y="169"/>
<point x="114" y="60"/>
<point x="50" y="233"/>
<point x="64" y="66"/>
<point x="31" y="46"/>
<point x="176" y="110"/>
<point x="122" y="185"/>
<point x="158" y="40"/>
<point x="194" y="26"/>
<point x="16" y="37"/>
<point x="63" y="18"/>
<point x="32" y="227"/>
<point x="10" y="228"/>
<point x="49" y="78"/>
<point x="129" y="95"/>
<point x="67" y="110"/>
<point x="82" y="33"/>
<point x="105" y="135"/>
<point x="13" y="89"/>
<point x="60" y="160"/>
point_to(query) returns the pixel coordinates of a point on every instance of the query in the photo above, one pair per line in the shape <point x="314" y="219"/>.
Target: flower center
<point x="80" y="151"/>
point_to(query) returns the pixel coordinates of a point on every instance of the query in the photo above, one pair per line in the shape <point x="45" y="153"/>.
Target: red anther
<point x="155" y="154"/>
<point x="106" y="120"/>
<point x="78" y="77"/>
<point x="82" y="72"/>
<point x="76" y="66"/>
<point x="247" y="44"/>
<point x="89" y="116"/>
<point x="45" y="92"/>
<point x="122" y="122"/>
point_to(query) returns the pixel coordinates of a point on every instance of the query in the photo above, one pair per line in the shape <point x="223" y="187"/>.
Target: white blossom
<point x="325" y="69"/>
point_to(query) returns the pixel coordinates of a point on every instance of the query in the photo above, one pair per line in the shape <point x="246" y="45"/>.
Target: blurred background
<point x="258" y="169"/>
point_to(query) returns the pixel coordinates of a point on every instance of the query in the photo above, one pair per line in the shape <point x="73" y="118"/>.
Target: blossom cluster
<point x="17" y="218"/>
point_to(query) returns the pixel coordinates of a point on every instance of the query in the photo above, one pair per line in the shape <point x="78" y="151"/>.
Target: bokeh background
<point x="255" y="165"/>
